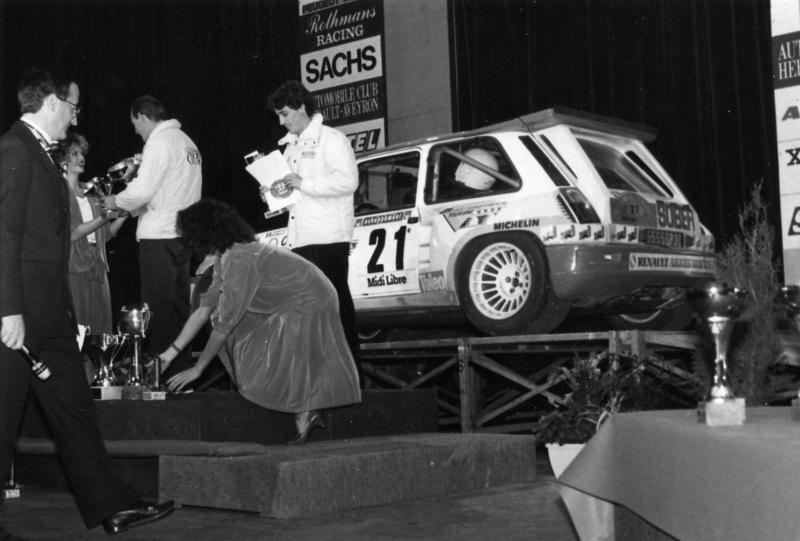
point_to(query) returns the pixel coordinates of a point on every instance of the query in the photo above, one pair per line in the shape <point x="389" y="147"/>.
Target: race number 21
<point x="377" y="238"/>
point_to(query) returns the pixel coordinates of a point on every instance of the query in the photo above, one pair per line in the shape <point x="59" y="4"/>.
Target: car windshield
<point x="623" y="171"/>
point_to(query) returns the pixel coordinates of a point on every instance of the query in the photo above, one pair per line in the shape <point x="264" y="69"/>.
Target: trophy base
<point x="11" y="492"/>
<point x="154" y="395"/>
<point x="109" y="392"/>
<point x="133" y="392"/>
<point x="725" y="412"/>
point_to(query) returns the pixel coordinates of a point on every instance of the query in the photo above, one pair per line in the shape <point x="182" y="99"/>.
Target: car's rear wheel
<point x="503" y="283"/>
<point x="673" y="319"/>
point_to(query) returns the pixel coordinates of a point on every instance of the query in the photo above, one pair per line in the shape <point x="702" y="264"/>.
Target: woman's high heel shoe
<point x="314" y="420"/>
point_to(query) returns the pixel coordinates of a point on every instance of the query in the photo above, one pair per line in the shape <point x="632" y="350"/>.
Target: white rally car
<point x="519" y="223"/>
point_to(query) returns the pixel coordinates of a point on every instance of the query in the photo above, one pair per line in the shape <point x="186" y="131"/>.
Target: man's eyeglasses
<point x="76" y="109"/>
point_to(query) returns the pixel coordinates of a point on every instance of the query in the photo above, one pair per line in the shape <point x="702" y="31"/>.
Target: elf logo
<point x="365" y="140"/>
<point x="794" y="227"/>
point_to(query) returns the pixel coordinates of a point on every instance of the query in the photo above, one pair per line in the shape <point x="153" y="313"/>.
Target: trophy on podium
<point x="133" y="324"/>
<point x="720" y="305"/>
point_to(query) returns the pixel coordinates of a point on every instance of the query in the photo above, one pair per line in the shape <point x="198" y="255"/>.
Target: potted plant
<point x="593" y="389"/>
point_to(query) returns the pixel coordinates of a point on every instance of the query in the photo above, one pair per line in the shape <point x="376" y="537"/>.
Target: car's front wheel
<point x="503" y="284"/>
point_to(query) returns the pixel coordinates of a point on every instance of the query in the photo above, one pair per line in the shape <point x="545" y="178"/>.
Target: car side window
<point x="387" y="183"/>
<point x="469" y="168"/>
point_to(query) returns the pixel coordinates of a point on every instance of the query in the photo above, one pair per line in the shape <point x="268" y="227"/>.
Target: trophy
<point x="133" y="324"/>
<point x="121" y="172"/>
<point x="720" y="305"/>
<point x="104" y="376"/>
<point x="790" y="296"/>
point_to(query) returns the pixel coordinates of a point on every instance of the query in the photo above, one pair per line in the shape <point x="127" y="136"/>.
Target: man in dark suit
<point x="36" y="309"/>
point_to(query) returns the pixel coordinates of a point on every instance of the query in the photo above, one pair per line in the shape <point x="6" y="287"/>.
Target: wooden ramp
<point x="323" y="477"/>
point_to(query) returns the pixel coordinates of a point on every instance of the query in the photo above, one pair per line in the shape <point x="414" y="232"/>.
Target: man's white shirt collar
<point x="42" y="133"/>
<point x="310" y="132"/>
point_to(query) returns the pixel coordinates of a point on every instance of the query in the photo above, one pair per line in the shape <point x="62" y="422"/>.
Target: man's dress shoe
<point x="136" y="516"/>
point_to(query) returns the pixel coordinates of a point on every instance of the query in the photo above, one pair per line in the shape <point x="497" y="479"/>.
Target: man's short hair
<point x="292" y="94"/>
<point x="37" y="84"/>
<point x="150" y="107"/>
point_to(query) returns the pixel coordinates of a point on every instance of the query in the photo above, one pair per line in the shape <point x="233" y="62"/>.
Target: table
<point x="696" y="482"/>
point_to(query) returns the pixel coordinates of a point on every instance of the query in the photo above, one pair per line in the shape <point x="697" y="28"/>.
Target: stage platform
<point x="328" y="476"/>
<point x="213" y="416"/>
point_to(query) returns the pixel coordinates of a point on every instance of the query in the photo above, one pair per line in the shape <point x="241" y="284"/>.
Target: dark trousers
<point x="164" y="275"/>
<point x="333" y="261"/>
<point x="67" y="407"/>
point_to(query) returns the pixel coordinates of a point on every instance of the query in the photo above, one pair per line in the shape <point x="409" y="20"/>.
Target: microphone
<point x="37" y="365"/>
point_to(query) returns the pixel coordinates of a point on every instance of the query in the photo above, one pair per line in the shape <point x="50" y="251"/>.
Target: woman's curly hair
<point x="211" y="225"/>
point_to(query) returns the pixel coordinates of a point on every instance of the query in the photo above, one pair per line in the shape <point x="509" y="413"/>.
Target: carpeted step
<point x="323" y="477"/>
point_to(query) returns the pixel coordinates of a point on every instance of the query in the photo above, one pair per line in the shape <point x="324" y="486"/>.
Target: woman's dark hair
<point x="65" y="146"/>
<point x="292" y="94"/>
<point x="211" y="225"/>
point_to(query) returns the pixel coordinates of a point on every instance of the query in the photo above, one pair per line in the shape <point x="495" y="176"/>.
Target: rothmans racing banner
<point x="342" y="65"/>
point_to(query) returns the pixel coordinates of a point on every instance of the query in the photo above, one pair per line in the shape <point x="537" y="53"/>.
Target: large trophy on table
<point x="720" y="305"/>
<point x="133" y="323"/>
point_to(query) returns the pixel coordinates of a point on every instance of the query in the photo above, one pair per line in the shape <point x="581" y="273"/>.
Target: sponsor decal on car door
<point x="384" y="256"/>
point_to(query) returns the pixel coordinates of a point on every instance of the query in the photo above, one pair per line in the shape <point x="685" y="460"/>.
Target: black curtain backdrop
<point x="699" y="71"/>
<point x="211" y="62"/>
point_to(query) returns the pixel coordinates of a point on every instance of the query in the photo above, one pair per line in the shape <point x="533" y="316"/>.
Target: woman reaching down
<point x="275" y="320"/>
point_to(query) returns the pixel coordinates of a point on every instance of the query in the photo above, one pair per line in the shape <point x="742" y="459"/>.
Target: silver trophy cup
<point x="720" y="305"/>
<point x="133" y="323"/>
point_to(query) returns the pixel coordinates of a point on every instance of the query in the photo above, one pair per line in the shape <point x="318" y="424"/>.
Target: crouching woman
<point x="275" y="321"/>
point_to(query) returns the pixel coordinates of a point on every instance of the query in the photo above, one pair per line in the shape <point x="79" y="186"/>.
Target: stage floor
<point x="527" y="512"/>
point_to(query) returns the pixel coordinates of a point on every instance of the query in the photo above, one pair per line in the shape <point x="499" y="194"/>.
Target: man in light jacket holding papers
<point x="324" y="171"/>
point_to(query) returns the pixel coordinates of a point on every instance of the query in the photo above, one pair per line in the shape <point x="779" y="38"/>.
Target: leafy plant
<point x="748" y="261"/>
<point x="596" y="387"/>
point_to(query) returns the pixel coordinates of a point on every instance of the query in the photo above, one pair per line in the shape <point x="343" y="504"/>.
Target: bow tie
<point x="50" y="148"/>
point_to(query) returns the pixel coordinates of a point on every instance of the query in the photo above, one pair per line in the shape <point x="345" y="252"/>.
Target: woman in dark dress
<point x="88" y="266"/>
<point x="275" y="320"/>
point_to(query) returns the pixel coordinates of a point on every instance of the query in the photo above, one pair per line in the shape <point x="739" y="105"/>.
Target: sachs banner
<point x="342" y="65"/>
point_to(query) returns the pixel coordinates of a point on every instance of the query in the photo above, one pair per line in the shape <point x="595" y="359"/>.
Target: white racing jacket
<point x="324" y="159"/>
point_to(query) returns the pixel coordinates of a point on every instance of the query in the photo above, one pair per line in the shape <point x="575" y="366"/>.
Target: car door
<point x="384" y="260"/>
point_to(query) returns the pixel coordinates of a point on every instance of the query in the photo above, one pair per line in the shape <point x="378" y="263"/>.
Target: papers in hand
<point x="268" y="169"/>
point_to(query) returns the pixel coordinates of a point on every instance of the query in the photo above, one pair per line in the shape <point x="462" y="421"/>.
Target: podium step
<point x="323" y="477"/>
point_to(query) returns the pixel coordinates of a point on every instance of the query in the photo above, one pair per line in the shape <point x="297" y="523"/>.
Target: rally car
<point x="515" y="225"/>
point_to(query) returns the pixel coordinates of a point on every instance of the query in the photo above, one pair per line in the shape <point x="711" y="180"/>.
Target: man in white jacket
<point x="324" y="170"/>
<point x="169" y="179"/>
